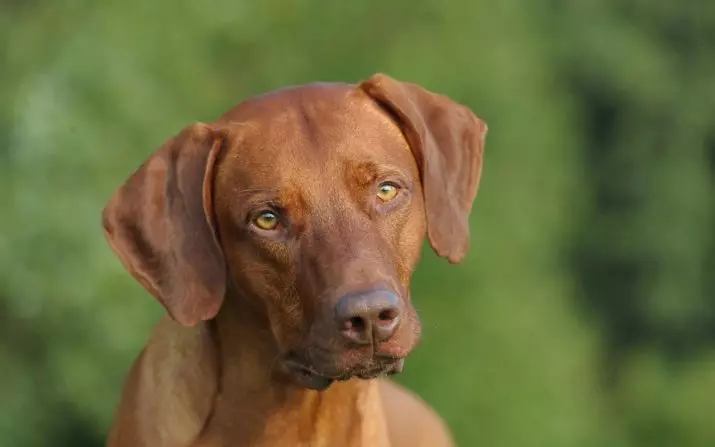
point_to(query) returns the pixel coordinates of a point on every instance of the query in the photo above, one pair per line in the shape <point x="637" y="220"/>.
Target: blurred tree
<point x="584" y="314"/>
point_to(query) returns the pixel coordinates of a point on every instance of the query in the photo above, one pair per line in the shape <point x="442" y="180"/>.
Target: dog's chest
<point x="341" y="417"/>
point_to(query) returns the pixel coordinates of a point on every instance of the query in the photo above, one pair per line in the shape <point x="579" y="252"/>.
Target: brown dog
<point x="281" y="240"/>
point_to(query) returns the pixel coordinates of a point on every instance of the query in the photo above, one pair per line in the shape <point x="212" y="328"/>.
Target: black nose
<point x="368" y="317"/>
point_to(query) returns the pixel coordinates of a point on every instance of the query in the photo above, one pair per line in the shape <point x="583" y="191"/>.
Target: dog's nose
<point x="368" y="317"/>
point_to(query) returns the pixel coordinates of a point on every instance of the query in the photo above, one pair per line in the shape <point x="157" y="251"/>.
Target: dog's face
<point x="321" y="216"/>
<point x="312" y="202"/>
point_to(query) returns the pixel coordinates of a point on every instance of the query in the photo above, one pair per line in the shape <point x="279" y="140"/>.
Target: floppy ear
<point x="447" y="141"/>
<point x="160" y="224"/>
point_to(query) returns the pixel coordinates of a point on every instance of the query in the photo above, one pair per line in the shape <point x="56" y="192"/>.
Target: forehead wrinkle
<point x="307" y="123"/>
<point x="310" y="149"/>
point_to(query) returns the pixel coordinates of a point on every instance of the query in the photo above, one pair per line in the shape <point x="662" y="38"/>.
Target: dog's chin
<point x="313" y="378"/>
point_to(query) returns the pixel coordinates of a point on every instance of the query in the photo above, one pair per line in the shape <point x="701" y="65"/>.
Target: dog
<point x="281" y="240"/>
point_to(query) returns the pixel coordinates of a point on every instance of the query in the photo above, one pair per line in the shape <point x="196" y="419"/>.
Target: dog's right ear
<point x="160" y="224"/>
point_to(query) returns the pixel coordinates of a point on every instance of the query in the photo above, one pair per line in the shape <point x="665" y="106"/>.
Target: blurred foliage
<point x="584" y="315"/>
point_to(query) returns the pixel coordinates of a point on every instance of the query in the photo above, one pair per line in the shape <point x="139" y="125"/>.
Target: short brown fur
<point x="256" y="349"/>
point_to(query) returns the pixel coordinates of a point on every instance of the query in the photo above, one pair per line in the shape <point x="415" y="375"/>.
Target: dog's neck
<point x="265" y="407"/>
<point x="247" y="350"/>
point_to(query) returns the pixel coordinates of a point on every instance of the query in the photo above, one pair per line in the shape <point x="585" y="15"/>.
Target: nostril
<point x="356" y="323"/>
<point x="357" y="329"/>
<point x="386" y="324"/>
<point x="387" y="315"/>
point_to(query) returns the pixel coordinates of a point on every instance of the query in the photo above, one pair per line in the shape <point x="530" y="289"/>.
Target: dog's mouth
<point x="309" y="377"/>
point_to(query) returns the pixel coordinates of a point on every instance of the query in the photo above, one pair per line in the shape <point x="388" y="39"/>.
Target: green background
<point x="585" y="313"/>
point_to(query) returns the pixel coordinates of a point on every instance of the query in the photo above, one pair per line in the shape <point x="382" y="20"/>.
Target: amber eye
<point x="387" y="192"/>
<point x="267" y="220"/>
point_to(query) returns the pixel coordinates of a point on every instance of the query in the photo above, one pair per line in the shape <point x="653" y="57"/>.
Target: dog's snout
<point x="368" y="317"/>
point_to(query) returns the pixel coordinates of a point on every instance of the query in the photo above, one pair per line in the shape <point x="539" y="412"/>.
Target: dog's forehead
<point x="299" y="131"/>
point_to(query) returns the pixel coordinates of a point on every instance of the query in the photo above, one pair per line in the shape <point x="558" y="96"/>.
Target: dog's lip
<point x="307" y="376"/>
<point x="394" y="366"/>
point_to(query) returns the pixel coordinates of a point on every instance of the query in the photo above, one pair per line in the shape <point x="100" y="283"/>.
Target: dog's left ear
<point x="447" y="141"/>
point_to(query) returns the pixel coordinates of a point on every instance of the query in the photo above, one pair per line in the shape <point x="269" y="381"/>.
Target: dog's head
<point x="310" y="203"/>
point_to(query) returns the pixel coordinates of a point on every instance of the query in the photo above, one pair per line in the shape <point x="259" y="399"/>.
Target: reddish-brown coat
<point x="242" y="300"/>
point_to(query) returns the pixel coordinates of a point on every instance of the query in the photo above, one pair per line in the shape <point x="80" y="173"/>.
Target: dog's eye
<point x="387" y="191"/>
<point x="267" y="220"/>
